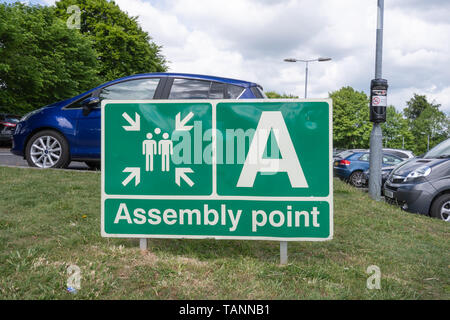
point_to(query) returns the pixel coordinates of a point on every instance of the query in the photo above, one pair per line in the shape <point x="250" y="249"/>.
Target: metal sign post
<point x="378" y="105"/>
<point x="249" y="170"/>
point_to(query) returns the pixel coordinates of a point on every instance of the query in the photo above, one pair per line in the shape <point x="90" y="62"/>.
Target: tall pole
<point x="379" y="45"/>
<point x="320" y="59"/>
<point x="376" y="136"/>
<point x="306" y="78"/>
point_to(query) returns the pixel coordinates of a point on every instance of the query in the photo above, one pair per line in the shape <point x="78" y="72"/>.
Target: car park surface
<point x="69" y="130"/>
<point x="422" y="185"/>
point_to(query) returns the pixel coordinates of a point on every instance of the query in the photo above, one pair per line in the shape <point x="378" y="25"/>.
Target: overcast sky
<point x="248" y="39"/>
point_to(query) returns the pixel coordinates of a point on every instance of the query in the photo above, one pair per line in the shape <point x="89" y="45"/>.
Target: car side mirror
<point x="88" y="104"/>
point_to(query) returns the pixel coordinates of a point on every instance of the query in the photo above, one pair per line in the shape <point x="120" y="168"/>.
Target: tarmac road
<point x="9" y="159"/>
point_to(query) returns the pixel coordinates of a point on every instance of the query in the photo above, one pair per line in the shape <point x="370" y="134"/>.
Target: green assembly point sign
<point x="248" y="169"/>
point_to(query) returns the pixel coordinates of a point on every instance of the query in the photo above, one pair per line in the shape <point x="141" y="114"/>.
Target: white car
<point x="404" y="154"/>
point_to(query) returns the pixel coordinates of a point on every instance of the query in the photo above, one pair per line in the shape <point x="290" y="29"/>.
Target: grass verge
<point x="50" y="219"/>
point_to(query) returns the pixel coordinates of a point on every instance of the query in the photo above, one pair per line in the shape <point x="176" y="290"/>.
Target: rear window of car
<point x="203" y="89"/>
<point x="258" y="93"/>
<point x="344" y="154"/>
<point x="234" y="92"/>
<point x="189" y="89"/>
<point x="217" y="90"/>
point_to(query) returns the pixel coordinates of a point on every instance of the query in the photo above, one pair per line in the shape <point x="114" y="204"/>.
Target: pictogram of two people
<point x="150" y="148"/>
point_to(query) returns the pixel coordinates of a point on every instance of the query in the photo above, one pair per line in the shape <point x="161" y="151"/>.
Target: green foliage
<point x="408" y="130"/>
<point x="41" y="60"/>
<point x="416" y="105"/>
<point x="123" y="47"/>
<point x="275" y="95"/>
<point x="351" y="125"/>
<point x="396" y="132"/>
<point x="426" y="121"/>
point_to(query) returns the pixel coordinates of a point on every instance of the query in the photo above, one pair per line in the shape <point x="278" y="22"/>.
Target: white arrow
<point x="134" y="173"/>
<point x="181" y="125"/>
<point x="181" y="173"/>
<point x="135" y="125"/>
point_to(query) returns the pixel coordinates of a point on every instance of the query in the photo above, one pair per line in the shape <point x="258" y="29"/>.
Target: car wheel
<point x="356" y="179"/>
<point x="93" y="165"/>
<point x="441" y="207"/>
<point x="47" y="149"/>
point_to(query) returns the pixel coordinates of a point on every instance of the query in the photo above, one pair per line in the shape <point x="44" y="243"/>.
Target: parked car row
<point x="352" y="165"/>
<point x="417" y="184"/>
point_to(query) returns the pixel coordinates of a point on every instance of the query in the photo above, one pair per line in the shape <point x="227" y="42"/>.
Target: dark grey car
<point x="422" y="185"/>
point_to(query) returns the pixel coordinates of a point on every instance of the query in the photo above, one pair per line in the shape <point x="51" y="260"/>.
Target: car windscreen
<point x="442" y="150"/>
<point x="399" y="154"/>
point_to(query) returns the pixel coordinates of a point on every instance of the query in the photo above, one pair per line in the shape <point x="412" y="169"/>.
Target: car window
<point x="344" y="154"/>
<point x="365" y="157"/>
<point x="441" y="150"/>
<point x="257" y="93"/>
<point x="261" y="90"/>
<point x="398" y="154"/>
<point x="234" y="92"/>
<point x="390" y="160"/>
<point x="140" y="89"/>
<point x="189" y="89"/>
<point x="77" y="103"/>
<point x="217" y="90"/>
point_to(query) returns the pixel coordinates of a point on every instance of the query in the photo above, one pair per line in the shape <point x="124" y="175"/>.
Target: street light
<point x="428" y="140"/>
<point x="320" y="59"/>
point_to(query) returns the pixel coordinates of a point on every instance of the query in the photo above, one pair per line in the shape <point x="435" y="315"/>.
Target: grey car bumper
<point x="414" y="198"/>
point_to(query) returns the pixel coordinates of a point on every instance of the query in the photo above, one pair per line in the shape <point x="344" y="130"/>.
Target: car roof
<point x="237" y="82"/>
<point x="242" y="83"/>
<point x="399" y="150"/>
<point x="352" y="152"/>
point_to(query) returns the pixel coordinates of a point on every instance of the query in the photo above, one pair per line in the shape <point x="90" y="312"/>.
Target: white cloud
<point x="248" y="39"/>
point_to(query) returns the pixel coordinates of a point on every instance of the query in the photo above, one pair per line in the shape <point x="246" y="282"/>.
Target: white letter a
<point x="254" y="162"/>
<point x="119" y="216"/>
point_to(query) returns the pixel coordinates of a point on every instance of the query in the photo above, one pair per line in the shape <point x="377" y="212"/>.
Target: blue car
<point x="69" y="130"/>
<point x="350" y="165"/>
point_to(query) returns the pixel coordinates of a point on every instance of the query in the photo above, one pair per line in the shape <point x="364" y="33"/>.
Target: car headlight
<point x="420" y="172"/>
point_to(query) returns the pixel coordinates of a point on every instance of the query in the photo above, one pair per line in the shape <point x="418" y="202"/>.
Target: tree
<point x="396" y="132"/>
<point x="41" y="60"/>
<point x="416" y="105"/>
<point x="275" y="95"/>
<point x="351" y="125"/>
<point x="122" y="46"/>
<point x="426" y="122"/>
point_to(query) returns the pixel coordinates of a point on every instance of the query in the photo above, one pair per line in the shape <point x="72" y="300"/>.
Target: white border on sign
<point x="214" y="195"/>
